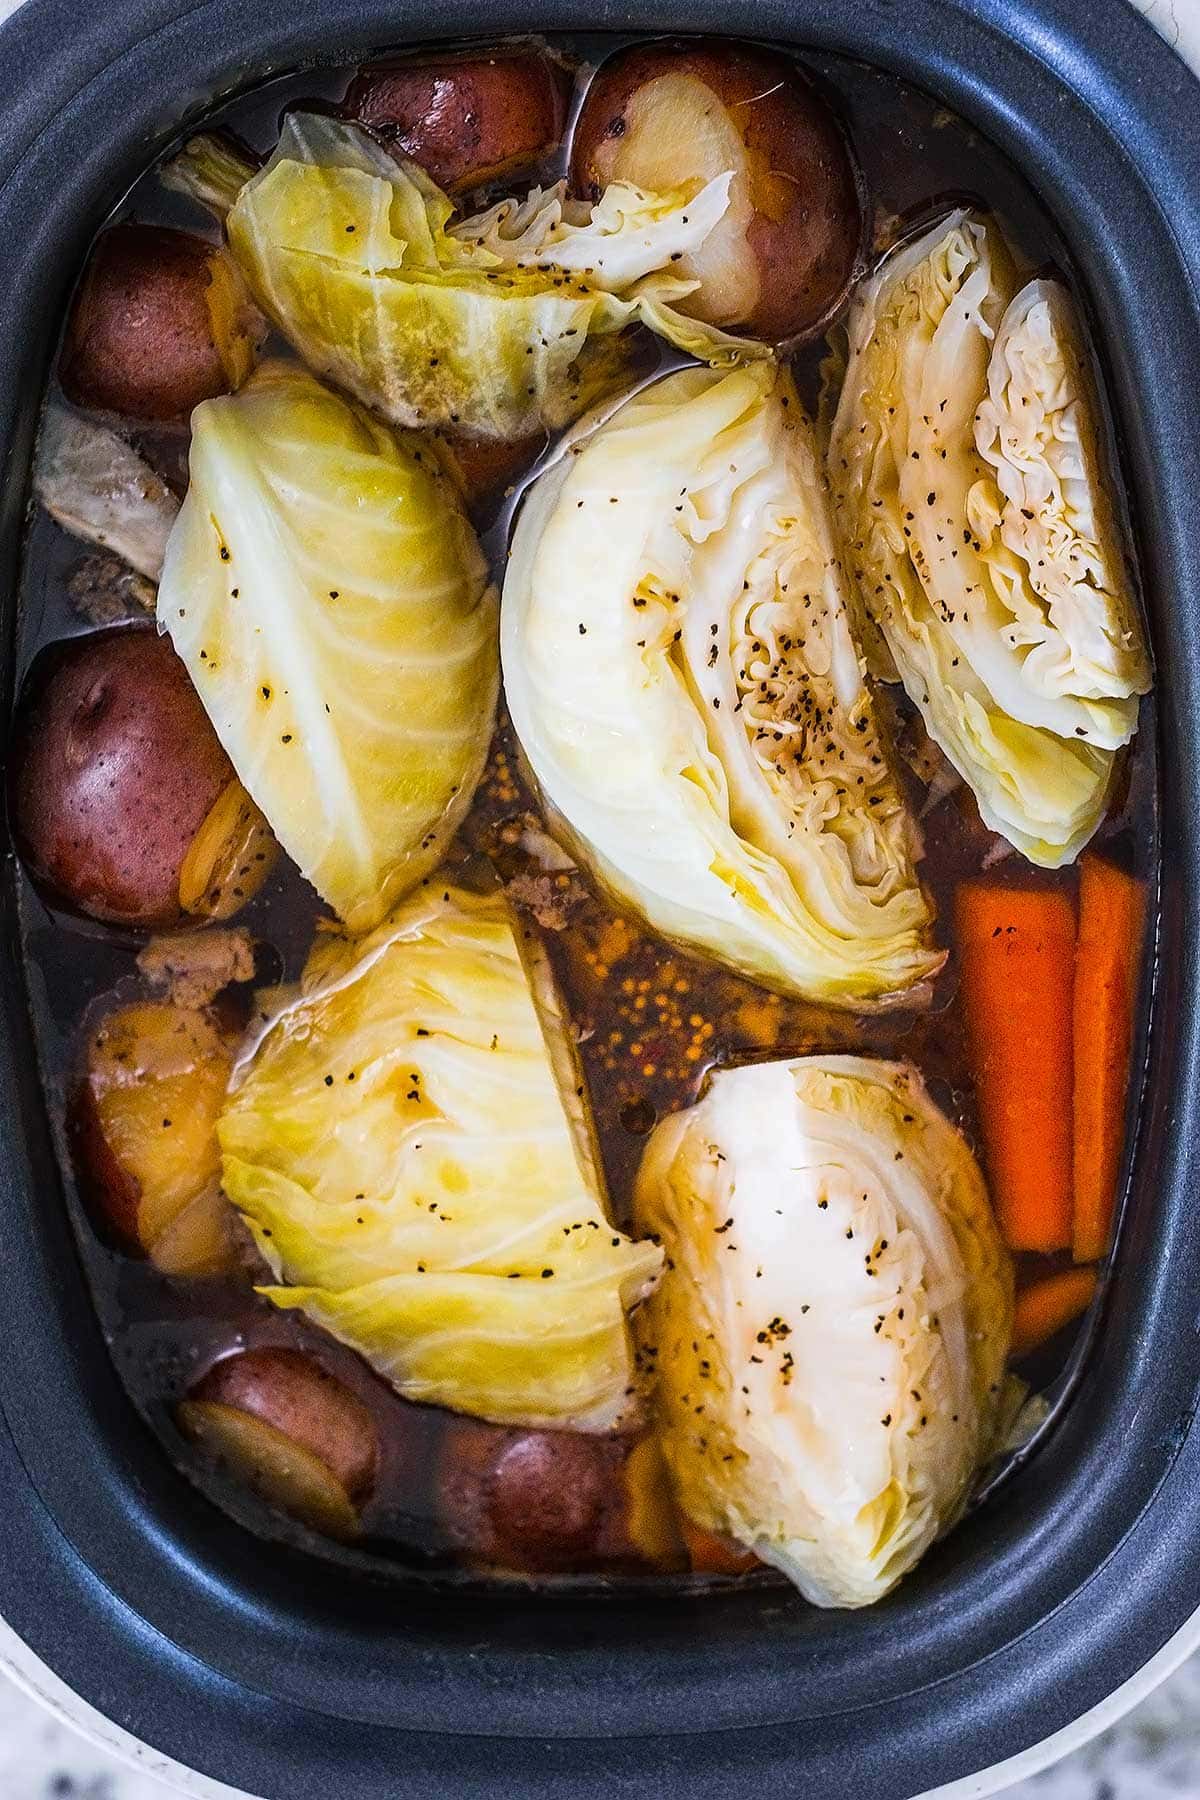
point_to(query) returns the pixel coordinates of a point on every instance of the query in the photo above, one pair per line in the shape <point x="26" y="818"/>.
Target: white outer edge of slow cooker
<point x="32" y="1675"/>
<point x="38" y="1680"/>
<point x="1179" y="21"/>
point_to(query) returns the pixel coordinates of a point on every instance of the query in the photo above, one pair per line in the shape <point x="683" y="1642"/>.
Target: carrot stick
<point x="1045" y="1306"/>
<point x="1111" y="914"/>
<point x="1018" y="955"/>
<point x="712" y="1554"/>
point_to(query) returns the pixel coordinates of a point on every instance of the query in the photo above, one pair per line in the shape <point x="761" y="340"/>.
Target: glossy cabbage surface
<point x="972" y="500"/>
<point x="409" y="1146"/>
<point x="328" y="596"/>
<point x="681" y="673"/>
<point x="487" y="323"/>
<point x="831" y="1332"/>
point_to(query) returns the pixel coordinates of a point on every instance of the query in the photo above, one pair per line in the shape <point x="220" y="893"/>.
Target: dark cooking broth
<point x="651" y="1021"/>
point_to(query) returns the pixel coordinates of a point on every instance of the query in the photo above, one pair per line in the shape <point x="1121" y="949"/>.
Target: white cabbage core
<point x="831" y="1333"/>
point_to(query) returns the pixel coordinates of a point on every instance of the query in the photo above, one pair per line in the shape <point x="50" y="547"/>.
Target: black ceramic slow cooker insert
<point x="282" y="1676"/>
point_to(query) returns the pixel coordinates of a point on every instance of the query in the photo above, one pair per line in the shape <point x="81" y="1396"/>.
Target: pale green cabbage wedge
<point x="970" y="496"/>
<point x="486" y="324"/>
<point x="682" y="676"/>
<point x="328" y="596"/>
<point x="832" y="1328"/>
<point x="409" y="1145"/>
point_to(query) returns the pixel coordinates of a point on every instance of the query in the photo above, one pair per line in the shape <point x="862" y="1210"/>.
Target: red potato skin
<point x="140" y="336"/>
<point x="534" y="1501"/>
<point x="290" y="1391"/>
<point x="466" y="119"/>
<point x="114" y="767"/>
<point x="809" y="247"/>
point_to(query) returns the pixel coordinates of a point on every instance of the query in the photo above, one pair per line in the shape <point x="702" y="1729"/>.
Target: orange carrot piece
<point x="1112" y="908"/>
<point x="712" y="1554"/>
<point x="1045" y="1306"/>
<point x="1018" y="960"/>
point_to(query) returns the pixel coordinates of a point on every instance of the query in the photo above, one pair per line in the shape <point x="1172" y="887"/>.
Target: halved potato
<point x="292" y="1392"/>
<point x="124" y="805"/>
<point x="781" y="261"/>
<point x="271" y="1463"/>
<point x="161" y="321"/>
<point x="143" y="1128"/>
<point x="290" y="1430"/>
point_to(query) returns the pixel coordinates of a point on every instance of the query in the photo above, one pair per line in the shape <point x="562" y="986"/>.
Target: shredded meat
<point x="550" y="898"/>
<point x="194" y="966"/>
<point x="104" y="590"/>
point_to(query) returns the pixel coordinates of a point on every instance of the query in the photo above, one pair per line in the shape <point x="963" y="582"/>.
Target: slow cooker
<point x="1062" y="1596"/>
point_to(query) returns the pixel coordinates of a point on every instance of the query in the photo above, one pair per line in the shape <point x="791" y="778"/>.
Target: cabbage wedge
<point x="326" y="592"/>
<point x="408" y="1144"/>
<point x="972" y="500"/>
<point x="487" y="324"/>
<point x="681" y="674"/>
<point x="831" y="1332"/>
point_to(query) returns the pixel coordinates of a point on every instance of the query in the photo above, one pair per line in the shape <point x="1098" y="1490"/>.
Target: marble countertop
<point x="1152" y="1754"/>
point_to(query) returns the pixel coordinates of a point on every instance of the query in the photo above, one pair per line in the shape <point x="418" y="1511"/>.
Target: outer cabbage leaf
<point x="327" y="594"/>
<point x="682" y="677"/>
<point x="831" y="1333"/>
<point x="484" y="325"/>
<point x="951" y="483"/>
<point x="419" y="1174"/>
<point x="96" y="486"/>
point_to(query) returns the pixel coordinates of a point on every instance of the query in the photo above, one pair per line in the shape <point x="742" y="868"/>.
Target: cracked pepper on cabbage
<point x="489" y="323"/>
<point x="830" y="1335"/>
<point x="681" y="673"/>
<point x="409" y="1144"/>
<point x="327" y="594"/>
<point x="972" y="500"/>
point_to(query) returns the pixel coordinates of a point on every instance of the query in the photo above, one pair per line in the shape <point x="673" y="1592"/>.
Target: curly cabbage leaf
<point x="488" y="324"/>
<point x="96" y="486"/>
<point x="837" y="1296"/>
<point x="408" y="1144"/>
<point x="1047" y="518"/>
<point x="681" y="674"/>
<point x="326" y="592"/>
<point x="971" y="498"/>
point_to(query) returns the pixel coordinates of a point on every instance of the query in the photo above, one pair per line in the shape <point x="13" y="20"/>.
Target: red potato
<point x="161" y="322"/>
<point x="781" y="261"/>
<point x="290" y="1391"/>
<point x="142" y="1124"/>
<point x="228" y="859"/>
<point x="539" y="1501"/>
<point x="124" y="805"/>
<point x="469" y="118"/>
<point x="289" y="1429"/>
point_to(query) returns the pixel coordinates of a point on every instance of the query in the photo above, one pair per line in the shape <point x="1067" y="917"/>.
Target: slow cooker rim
<point x="36" y="1679"/>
